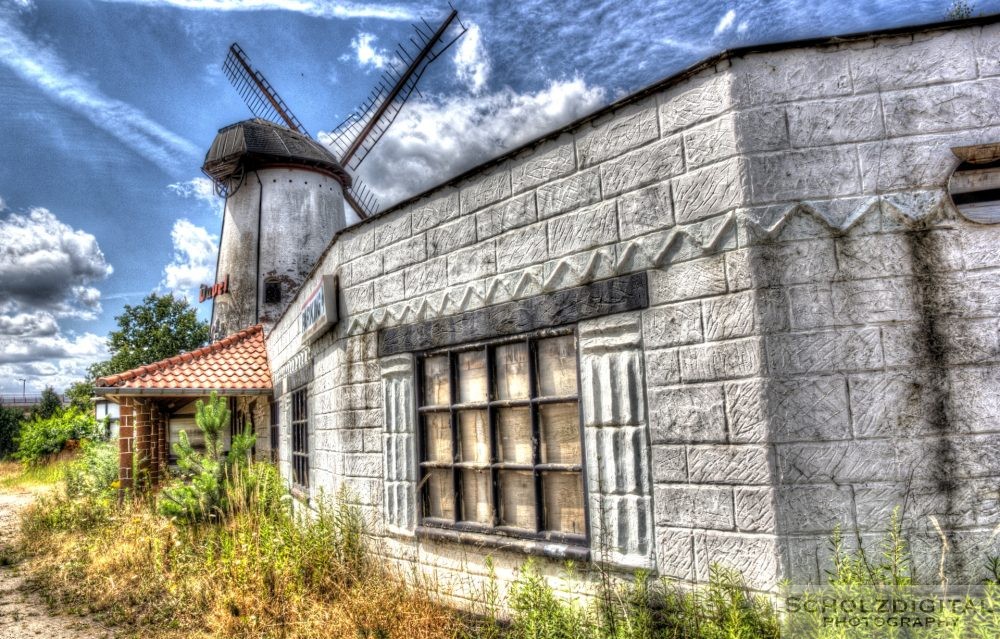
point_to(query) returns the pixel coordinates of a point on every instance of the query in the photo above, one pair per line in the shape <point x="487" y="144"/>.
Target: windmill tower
<point x="286" y="193"/>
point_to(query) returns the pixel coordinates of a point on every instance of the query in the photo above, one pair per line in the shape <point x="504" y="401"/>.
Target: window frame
<point x="299" y="425"/>
<point x="495" y="465"/>
<point x="274" y="431"/>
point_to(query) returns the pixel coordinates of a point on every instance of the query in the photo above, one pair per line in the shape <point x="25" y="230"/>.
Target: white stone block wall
<point x="821" y="337"/>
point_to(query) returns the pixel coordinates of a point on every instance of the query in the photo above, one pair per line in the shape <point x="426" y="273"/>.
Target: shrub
<point x="10" y="426"/>
<point x="201" y="491"/>
<point x="43" y="436"/>
<point x="94" y="471"/>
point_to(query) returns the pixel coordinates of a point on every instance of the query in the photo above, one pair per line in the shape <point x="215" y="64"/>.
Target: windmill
<point x="354" y="138"/>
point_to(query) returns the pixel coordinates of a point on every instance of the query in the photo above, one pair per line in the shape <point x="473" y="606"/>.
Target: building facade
<point x="708" y="324"/>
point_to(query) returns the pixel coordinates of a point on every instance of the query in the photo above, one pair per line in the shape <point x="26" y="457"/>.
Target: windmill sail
<point x="258" y="94"/>
<point x="355" y="137"/>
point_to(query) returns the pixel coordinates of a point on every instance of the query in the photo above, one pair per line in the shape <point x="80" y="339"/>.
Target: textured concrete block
<point x="811" y="306"/>
<point x="688" y="280"/>
<point x="980" y="246"/>
<point x="907" y="163"/>
<point x="985" y="44"/>
<point x="969" y="341"/>
<point x="391" y="288"/>
<point x="754" y="509"/>
<point x="392" y="229"/>
<point x="710" y="142"/>
<point x="753" y="556"/>
<point x="744" y="314"/>
<point x="451" y="237"/>
<point x="675" y="553"/>
<point x="764" y="129"/>
<point x="711" y="190"/>
<point x="880" y="300"/>
<point x="894" y="404"/>
<point x="809" y="409"/>
<point x="484" y="190"/>
<point x="825" y="351"/>
<point x="423" y="278"/>
<point x="747" y="410"/>
<point x="796" y="175"/>
<point x="814" y="509"/>
<point x="405" y="253"/>
<point x="652" y="163"/>
<point x="516" y="212"/>
<point x="574" y="192"/>
<point x="904" y="62"/>
<point x="472" y="263"/>
<point x="687" y="414"/>
<point x="694" y="506"/>
<point x="969" y="294"/>
<point x="358" y="299"/>
<point x="669" y="463"/>
<point x="646" y="211"/>
<point x="792" y="76"/>
<point x="742" y="465"/>
<point x="828" y="122"/>
<point x="617" y="133"/>
<point x="722" y="360"/>
<point x="554" y="160"/>
<point x="946" y="107"/>
<point x="522" y="247"/>
<point x="586" y="229"/>
<point x="438" y="208"/>
<point x="695" y="100"/>
<point x="811" y="261"/>
<point x="974" y="456"/>
<point x="662" y="367"/>
<point x="868" y="256"/>
<point x="672" y="325"/>
<point x="364" y="268"/>
<point x="363" y="465"/>
<point x="355" y="244"/>
<point x="841" y="462"/>
<point x="905" y="345"/>
<point x="974" y="403"/>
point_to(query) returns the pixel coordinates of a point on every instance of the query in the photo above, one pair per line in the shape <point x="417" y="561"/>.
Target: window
<point x="275" y="420"/>
<point x="500" y="439"/>
<point x="272" y="292"/>
<point x="300" y="438"/>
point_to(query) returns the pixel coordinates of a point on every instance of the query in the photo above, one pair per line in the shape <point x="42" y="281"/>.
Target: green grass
<point x="17" y="475"/>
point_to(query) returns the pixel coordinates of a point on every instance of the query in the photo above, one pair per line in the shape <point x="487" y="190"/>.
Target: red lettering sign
<point x="206" y="292"/>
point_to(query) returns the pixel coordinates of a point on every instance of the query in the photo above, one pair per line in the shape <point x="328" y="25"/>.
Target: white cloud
<point x="315" y="8"/>
<point x="472" y="63"/>
<point x="39" y="66"/>
<point x="47" y="265"/>
<point x="437" y="137"/>
<point x="742" y="26"/>
<point x="47" y="273"/>
<point x="366" y="54"/>
<point x="726" y="22"/>
<point x="195" y="251"/>
<point x="202" y="191"/>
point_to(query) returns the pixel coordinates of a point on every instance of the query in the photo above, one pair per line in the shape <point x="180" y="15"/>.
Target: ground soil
<point x="23" y="613"/>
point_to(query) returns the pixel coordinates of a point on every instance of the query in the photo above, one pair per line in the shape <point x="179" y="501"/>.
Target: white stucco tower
<point x="284" y="202"/>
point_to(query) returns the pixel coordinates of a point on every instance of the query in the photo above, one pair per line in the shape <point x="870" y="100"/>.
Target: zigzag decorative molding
<point x="651" y="251"/>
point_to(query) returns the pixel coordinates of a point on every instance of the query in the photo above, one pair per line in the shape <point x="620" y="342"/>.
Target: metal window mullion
<point x="536" y="447"/>
<point x="456" y="441"/>
<point x="493" y="434"/>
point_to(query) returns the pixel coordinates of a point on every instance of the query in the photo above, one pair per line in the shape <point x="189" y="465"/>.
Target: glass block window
<point x="300" y="438"/>
<point x="275" y="432"/>
<point x="500" y="439"/>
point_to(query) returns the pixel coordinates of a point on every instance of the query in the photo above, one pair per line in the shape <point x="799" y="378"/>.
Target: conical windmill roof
<point x="257" y="143"/>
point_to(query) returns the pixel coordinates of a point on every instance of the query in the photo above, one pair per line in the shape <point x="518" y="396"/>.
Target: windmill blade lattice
<point x="258" y="94"/>
<point x="355" y="137"/>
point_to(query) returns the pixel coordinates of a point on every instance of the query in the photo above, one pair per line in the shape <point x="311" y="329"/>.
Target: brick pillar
<point x="164" y="447"/>
<point x="126" y="442"/>
<point x="154" y="444"/>
<point x="143" y="437"/>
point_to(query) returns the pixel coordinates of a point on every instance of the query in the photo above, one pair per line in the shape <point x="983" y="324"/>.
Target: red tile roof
<point x="237" y="362"/>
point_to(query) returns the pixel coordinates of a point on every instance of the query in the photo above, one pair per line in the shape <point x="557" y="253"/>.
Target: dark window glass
<point x="300" y="438"/>
<point x="500" y="439"/>
<point x="272" y="292"/>
<point x="275" y="418"/>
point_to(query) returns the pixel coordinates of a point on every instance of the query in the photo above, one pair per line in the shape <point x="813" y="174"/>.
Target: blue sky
<point x="109" y="106"/>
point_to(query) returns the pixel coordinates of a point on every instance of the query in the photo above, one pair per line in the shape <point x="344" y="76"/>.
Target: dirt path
<point x="23" y="613"/>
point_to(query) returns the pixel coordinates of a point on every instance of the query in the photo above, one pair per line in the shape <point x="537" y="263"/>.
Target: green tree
<point x="960" y="10"/>
<point x="162" y="326"/>
<point x="49" y="405"/>
<point x="80" y="395"/>
<point x="10" y="426"/>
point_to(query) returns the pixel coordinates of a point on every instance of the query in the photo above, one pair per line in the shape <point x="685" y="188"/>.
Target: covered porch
<point x="157" y="402"/>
